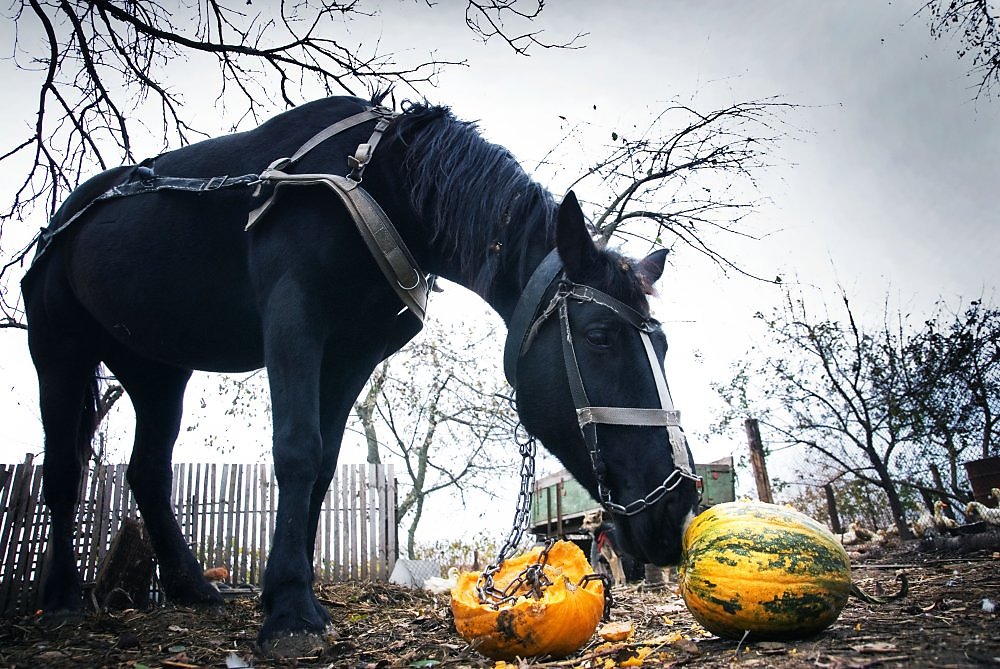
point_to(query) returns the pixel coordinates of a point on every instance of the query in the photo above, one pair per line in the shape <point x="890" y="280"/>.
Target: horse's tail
<point x="90" y="418"/>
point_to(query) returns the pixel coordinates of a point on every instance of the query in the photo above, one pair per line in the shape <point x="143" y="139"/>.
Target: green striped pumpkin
<point x="764" y="569"/>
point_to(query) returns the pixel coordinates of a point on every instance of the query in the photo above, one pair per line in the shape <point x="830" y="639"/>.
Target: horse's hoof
<point x="298" y="644"/>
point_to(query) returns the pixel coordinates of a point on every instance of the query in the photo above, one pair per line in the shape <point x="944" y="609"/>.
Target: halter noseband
<point x="524" y="326"/>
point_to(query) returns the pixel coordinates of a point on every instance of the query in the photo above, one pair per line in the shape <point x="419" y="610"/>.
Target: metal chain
<point x="532" y="579"/>
<point x="522" y="521"/>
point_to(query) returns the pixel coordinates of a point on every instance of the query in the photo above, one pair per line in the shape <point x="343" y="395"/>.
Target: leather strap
<point x="331" y="131"/>
<point x="378" y="233"/>
<point x="524" y="313"/>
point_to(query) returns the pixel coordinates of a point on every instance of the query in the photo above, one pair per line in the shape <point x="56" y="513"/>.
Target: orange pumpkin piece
<point x="618" y="630"/>
<point x="557" y="624"/>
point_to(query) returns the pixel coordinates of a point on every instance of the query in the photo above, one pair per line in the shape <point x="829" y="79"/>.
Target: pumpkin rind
<point x="557" y="624"/>
<point x="762" y="568"/>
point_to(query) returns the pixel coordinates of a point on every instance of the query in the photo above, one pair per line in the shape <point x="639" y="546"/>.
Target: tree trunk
<point x="126" y="573"/>
<point x="411" y="531"/>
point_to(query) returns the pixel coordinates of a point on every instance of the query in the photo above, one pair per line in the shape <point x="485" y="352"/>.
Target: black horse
<point x="160" y="283"/>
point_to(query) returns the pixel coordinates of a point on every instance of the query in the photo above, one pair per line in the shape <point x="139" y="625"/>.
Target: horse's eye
<point x="598" y="337"/>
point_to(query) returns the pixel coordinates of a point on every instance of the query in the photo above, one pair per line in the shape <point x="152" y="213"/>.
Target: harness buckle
<point x="215" y="182"/>
<point x="358" y="161"/>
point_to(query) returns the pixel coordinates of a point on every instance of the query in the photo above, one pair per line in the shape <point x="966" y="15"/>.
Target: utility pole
<point x="757" y="461"/>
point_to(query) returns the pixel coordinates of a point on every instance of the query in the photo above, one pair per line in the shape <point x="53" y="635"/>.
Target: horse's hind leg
<point x="66" y="394"/>
<point x="157" y="394"/>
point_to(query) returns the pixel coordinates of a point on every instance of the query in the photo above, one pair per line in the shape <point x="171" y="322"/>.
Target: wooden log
<point x="126" y="573"/>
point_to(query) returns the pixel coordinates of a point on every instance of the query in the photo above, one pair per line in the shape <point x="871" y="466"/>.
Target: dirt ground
<point x="942" y="622"/>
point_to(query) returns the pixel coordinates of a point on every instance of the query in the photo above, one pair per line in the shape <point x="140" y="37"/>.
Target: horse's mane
<point x="459" y="182"/>
<point x="470" y="192"/>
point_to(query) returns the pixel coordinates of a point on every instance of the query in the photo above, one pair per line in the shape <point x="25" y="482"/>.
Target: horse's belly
<point x="169" y="284"/>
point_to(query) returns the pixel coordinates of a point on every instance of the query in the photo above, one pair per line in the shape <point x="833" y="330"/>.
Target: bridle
<point x="524" y="326"/>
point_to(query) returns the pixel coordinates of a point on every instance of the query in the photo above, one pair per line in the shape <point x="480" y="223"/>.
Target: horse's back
<point x="173" y="275"/>
<point x="254" y="150"/>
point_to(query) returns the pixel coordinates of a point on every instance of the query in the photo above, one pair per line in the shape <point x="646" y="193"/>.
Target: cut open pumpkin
<point x="556" y="622"/>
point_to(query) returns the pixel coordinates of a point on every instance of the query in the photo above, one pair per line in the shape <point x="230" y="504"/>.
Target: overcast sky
<point x="887" y="186"/>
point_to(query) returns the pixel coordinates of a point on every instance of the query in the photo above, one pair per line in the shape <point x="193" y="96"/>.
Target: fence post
<point x="757" y="460"/>
<point x="831" y="508"/>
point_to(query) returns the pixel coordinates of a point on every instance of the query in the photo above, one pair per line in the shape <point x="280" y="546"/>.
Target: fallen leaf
<point x="637" y="660"/>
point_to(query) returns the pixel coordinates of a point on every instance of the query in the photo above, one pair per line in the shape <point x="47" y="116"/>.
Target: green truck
<point x="560" y="503"/>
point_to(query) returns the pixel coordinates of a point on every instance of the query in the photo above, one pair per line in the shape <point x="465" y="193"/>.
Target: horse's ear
<point x="576" y="247"/>
<point x="650" y="268"/>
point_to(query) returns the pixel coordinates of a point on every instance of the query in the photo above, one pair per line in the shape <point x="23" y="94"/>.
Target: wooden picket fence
<point x="226" y="511"/>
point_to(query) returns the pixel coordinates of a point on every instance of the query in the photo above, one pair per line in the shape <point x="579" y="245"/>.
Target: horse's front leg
<point x="293" y="370"/>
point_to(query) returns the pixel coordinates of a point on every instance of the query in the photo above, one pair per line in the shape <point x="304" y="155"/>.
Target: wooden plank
<point x="262" y="528"/>
<point x="9" y="540"/>
<point x="335" y="523"/>
<point x="246" y="473"/>
<point x="36" y="546"/>
<point x="118" y="492"/>
<point x="355" y="543"/>
<point x="235" y="514"/>
<point x="227" y="513"/>
<point x="392" y="538"/>
<point x="16" y="500"/>
<point x="87" y="516"/>
<point x="345" y="525"/>
<point x="197" y="499"/>
<point x="362" y="513"/>
<point x="6" y="483"/>
<point x="177" y="486"/>
<point x="251" y="573"/>
<point x="383" y="539"/>
<point x="210" y="505"/>
<point x="107" y="525"/>
<point x="371" y="510"/>
<point x="220" y="509"/>
<point x="272" y="515"/>
<point x="27" y="531"/>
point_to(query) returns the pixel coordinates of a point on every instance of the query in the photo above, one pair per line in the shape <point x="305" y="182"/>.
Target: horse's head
<point x="587" y="362"/>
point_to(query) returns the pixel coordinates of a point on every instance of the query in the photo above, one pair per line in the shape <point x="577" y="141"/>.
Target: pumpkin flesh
<point x="557" y="624"/>
<point x="762" y="568"/>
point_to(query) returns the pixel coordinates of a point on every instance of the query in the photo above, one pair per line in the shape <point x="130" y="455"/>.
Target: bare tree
<point x="110" y="78"/>
<point x="684" y="177"/>
<point x="102" y="61"/>
<point x="439" y="410"/>
<point x="952" y="391"/>
<point x="976" y="26"/>
<point x="896" y="407"/>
